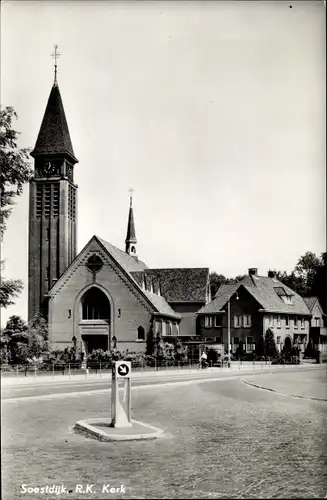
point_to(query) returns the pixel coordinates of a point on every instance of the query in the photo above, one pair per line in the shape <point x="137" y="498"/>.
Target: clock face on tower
<point x="49" y="168"/>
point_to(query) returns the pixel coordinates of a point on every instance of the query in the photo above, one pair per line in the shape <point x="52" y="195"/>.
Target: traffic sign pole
<point x="121" y="411"/>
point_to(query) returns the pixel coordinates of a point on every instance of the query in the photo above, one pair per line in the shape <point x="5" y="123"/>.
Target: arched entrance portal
<point x="95" y="320"/>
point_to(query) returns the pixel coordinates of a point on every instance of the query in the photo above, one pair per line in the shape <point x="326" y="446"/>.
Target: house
<point x="256" y="303"/>
<point x="318" y="323"/>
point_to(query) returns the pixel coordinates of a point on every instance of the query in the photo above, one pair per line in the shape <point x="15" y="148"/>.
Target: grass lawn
<point x="224" y="440"/>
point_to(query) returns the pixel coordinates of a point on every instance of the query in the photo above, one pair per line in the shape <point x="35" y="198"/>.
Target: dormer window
<point x="286" y="297"/>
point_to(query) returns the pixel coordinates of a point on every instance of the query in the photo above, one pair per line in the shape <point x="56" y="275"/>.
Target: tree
<point x="15" y="165"/>
<point x="319" y="283"/>
<point x="14" y="340"/>
<point x="293" y="281"/>
<point x="9" y="290"/>
<point x="38" y="335"/>
<point x="308" y="278"/>
<point x="180" y="352"/>
<point x="270" y="344"/>
<point x="150" y="340"/>
<point x="15" y="326"/>
<point x="306" y="269"/>
<point x="15" y="171"/>
<point x="159" y="348"/>
<point x="216" y="280"/>
<point x="261" y="347"/>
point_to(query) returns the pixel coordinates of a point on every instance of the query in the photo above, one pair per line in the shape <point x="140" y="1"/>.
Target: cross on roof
<point x="55" y="56"/>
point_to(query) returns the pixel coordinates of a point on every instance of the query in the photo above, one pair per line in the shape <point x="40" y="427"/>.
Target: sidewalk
<point x="236" y="368"/>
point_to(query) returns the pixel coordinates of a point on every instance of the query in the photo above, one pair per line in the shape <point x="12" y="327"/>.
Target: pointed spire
<point x="131" y="235"/>
<point x="54" y="135"/>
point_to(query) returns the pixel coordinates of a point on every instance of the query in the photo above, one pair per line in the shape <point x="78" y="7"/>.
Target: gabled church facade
<point x="104" y="297"/>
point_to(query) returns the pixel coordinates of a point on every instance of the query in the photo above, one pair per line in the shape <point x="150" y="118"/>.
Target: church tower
<point x="52" y="203"/>
<point x="131" y="240"/>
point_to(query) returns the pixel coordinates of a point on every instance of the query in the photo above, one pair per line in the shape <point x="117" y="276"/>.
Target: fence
<point x="88" y="367"/>
<point x="98" y="369"/>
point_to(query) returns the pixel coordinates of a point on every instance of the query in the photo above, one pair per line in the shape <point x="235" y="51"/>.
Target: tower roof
<point x="54" y="135"/>
<point x="131" y="235"/>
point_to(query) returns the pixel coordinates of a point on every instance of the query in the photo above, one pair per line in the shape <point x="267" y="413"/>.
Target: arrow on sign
<point x="123" y="370"/>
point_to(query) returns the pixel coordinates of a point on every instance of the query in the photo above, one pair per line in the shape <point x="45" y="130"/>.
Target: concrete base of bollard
<point x="101" y="429"/>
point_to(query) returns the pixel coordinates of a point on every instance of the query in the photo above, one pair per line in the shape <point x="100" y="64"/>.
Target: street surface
<point x="223" y="438"/>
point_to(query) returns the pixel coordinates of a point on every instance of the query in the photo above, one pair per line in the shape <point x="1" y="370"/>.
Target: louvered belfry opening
<point x="47" y="200"/>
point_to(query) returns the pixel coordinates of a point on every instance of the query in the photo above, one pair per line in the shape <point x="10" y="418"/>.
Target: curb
<point x="282" y="393"/>
<point x="86" y="427"/>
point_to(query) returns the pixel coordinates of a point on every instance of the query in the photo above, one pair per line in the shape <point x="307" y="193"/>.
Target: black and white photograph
<point x="163" y="307"/>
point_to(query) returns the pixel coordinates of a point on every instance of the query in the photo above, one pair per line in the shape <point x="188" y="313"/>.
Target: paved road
<point x="224" y="439"/>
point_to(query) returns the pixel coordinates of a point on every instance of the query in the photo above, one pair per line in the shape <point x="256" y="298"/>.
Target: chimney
<point x="253" y="271"/>
<point x="271" y="274"/>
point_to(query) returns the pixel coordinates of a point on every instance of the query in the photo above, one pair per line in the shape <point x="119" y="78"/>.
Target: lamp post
<point x="228" y="334"/>
<point x="228" y="328"/>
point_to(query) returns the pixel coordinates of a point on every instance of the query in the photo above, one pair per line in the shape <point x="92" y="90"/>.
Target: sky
<point x="213" y="112"/>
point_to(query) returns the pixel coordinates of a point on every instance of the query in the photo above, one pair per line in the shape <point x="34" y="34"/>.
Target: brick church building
<point x="102" y="297"/>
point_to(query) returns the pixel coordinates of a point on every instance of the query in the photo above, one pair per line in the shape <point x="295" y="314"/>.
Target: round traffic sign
<point x="123" y="370"/>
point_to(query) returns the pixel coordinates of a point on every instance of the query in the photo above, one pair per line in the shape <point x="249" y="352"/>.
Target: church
<point x="103" y="297"/>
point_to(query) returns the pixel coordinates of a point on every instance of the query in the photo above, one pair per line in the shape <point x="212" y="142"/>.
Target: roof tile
<point x="182" y="284"/>
<point x="54" y="135"/>
<point x="262" y="289"/>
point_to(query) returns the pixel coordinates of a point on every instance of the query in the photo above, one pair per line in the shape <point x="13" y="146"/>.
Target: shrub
<point x="295" y="360"/>
<point x="270" y="344"/>
<point x="261" y="347"/>
<point x="136" y="358"/>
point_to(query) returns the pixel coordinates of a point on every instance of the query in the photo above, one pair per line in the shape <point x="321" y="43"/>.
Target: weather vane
<point x="55" y="55"/>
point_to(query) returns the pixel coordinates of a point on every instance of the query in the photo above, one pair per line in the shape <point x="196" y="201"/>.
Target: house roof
<point x="310" y="302"/>
<point x="135" y="268"/>
<point x="223" y="294"/>
<point x="263" y="289"/>
<point x="54" y="135"/>
<point x="161" y="305"/>
<point x="181" y="284"/>
<point x="128" y="262"/>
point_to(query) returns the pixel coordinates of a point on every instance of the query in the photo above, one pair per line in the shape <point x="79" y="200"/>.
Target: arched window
<point x="95" y="305"/>
<point x="133" y="249"/>
<point x="140" y="333"/>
